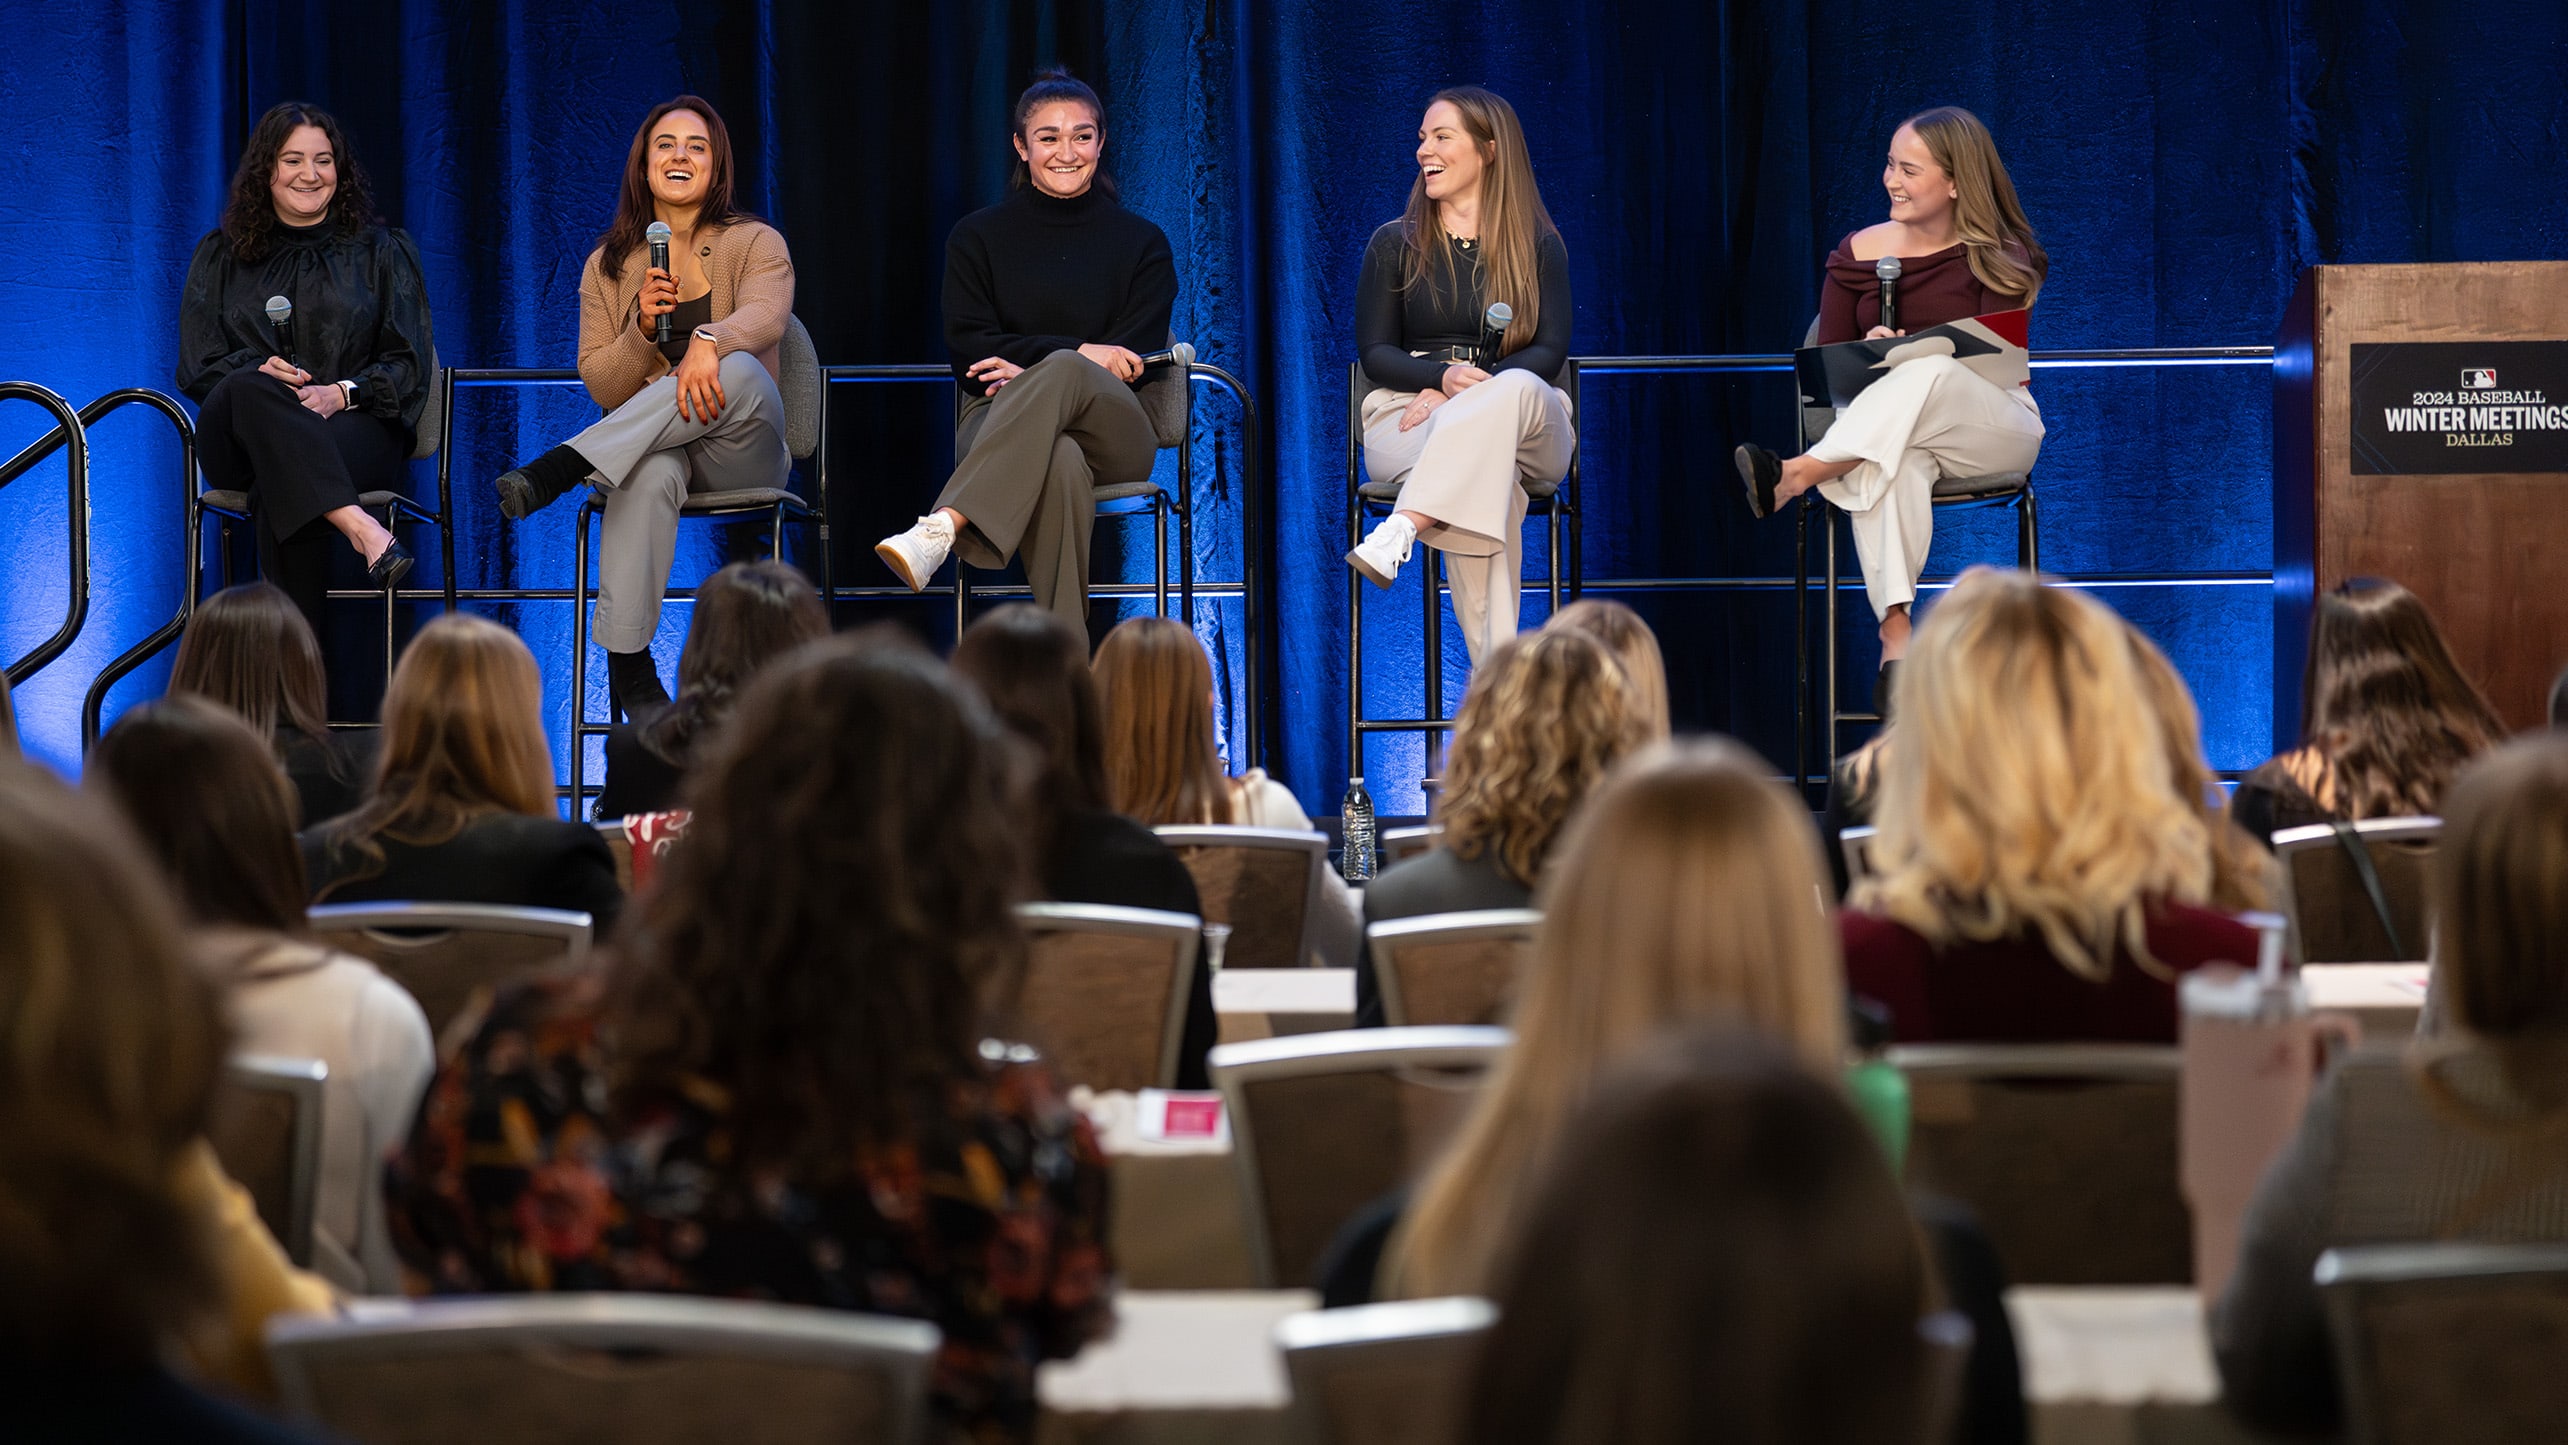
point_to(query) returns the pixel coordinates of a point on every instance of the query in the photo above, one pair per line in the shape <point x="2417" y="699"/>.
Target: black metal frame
<point x="93" y="704"/>
<point x="68" y="431"/>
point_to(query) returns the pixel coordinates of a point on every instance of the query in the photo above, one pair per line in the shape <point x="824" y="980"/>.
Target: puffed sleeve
<point x="206" y="351"/>
<point x="1380" y="339"/>
<point x="394" y="384"/>
<point x="1544" y="354"/>
<point x="1837" y="320"/>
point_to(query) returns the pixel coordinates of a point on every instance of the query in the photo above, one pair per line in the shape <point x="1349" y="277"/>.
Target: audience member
<point x="1718" y="1250"/>
<point x="249" y="649"/>
<point x="2387" y="717"/>
<point x="2456" y="1136"/>
<point x="2037" y="879"/>
<point x="780" y="1087"/>
<point x="2242" y="872"/>
<point x="744" y="615"/>
<point x="1031" y="665"/>
<point x="1636" y="647"/>
<point x="461" y="809"/>
<point x="1155" y="690"/>
<point x="121" y="1244"/>
<point x="212" y="808"/>
<point x="1547" y="714"/>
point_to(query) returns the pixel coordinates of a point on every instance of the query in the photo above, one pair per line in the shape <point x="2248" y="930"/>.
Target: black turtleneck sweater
<point x="1391" y="323"/>
<point x="1035" y="274"/>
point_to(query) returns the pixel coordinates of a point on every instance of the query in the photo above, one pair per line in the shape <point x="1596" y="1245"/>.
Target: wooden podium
<point x="2421" y="435"/>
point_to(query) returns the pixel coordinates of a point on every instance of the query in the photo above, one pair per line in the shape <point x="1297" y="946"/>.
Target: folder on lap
<point x="1992" y="346"/>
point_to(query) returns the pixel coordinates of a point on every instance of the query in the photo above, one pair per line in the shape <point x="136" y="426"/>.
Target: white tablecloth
<point x="2387" y="997"/>
<point x="2120" y="1365"/>
<point x="1181" y="1368"/>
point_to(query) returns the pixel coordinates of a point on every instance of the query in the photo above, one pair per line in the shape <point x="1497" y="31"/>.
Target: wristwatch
<point x="350" y="388"/>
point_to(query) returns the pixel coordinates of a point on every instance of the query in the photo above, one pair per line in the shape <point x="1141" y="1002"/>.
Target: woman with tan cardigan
<point x="694" y="413"/>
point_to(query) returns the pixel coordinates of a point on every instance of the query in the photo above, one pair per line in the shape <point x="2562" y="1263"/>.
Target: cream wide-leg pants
<point x="1465" y="467"/>
<point x="1929" y="418"/>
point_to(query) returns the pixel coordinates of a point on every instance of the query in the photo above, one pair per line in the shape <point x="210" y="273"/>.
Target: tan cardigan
<point x="753" y="295"/>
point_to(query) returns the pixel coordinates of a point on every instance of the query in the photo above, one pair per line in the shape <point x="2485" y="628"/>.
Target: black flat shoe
<point x="387" y="569"/>
<point x="522" y="496"/>
<point x="1761" y="470"/>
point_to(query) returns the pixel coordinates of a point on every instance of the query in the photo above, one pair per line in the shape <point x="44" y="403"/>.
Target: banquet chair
<point x="1451" y="968"/>
<point x="1399" y="845"/>
<point x="2356" y="893"/>
<point x="2453" y="1343"/>
<point x="1264" y="882"/>
<point x="604" y="1369"/>
<point x="1383" y="1374"/>
<point x="1856" y="844"/>
<point x="452" y="956"/>
<point x="1105" y="991"/>
<point x="266" y="1131"/>
<point x="1323" y="1124"/>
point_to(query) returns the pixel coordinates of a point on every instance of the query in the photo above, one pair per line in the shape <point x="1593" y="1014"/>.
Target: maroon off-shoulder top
<point x="1933" y="289"/>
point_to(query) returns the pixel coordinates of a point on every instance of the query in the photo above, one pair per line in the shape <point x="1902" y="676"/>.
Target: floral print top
<point x="990" y="1222"/>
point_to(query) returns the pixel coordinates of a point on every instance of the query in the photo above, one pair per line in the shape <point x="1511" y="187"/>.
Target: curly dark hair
<point x="822" y="946"/>
<point x="249" y="217"/>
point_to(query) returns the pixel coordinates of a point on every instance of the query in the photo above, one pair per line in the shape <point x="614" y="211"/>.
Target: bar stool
<point x="1555" y="501"/>
<point x="806" y="439"/>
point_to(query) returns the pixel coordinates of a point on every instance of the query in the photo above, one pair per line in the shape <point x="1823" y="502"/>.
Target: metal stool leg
<point x="1159" y="550"/>
<point x="579" y="657"/>
<point x="2028" y="532"/>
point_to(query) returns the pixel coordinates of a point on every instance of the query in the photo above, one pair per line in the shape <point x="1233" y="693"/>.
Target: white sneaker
<point x="915" y="555"/>
<point x="1379" y="556"/>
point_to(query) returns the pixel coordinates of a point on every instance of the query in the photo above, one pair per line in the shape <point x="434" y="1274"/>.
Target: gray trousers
<point x="1032" y="457"/>
<point x="647" y="457"/>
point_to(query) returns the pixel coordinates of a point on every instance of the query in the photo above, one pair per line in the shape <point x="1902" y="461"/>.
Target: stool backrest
<point x="1452" y="968"/>
<point x="1167" y="397"/>
<point x="2067" y="1152"/>
<point x="432" y="415"/>
<point x="453" y="956"/>
<point x="266" y="1130"/>
<point x="636" y="1369"/>
<point x="1263" y="882"/>
<point x="2452" y="1343"/>
<point x="1383" y="1374"/>
<point x="1323" y="1124"/>
<point x="800" y="387"/>
<point x="2332" y="915"/>
<point x="1105" y="991"/>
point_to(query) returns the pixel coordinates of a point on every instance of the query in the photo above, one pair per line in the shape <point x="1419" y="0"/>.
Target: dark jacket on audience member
<point x="638" y="779"/>
<point x="2013" y="991"/>
<point x="141" y="1406"/>
<point x="1108" y="859"/>
<point x="328" y="773"/>
<point x="1436" y="881"/>
<point x="500" y="858"/>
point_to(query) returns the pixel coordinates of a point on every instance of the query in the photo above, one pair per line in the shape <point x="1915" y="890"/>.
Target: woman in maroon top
<point x="2037" y="879"/>
<point x="1964" y="250"/>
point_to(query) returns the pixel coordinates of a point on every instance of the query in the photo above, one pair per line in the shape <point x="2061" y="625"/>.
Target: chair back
<point x="2067" y="1152"/>
<point x="1948" y="1336"/>
<point x="2330" y="907"/>
<point x="630" y="1369"/>
<point x="799" y="385"/>
<point x="2453" y="1343"/>
<point x="1106" y="990"/>
<point x="1167" y="397"/>
<point x="1323" y="1124"/>
<point x="266" y="1130"/>
<point x="453" y="956"/>
<point x="1384" y="1374"/>
<point x="619" y="846"/>
<point x="1451" y="968"/>
<point x="1856" y="844"/>
<point x="432" y="414"/>
<point x="1399" y="845"/>
<point x="1263" y="882"/>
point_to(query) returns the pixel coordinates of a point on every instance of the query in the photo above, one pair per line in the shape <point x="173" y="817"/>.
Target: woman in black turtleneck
<point x="1051" y="297"/>
<point x="303" y="428"/>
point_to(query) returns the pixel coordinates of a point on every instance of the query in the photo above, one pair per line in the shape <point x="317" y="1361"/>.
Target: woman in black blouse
<point x="1051" y="298"/>
<point x="1462" y="411"/>
<point x="305" y="417"/>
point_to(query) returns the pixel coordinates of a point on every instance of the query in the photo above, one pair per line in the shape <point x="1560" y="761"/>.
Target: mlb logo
<point x="2478" y="379"/>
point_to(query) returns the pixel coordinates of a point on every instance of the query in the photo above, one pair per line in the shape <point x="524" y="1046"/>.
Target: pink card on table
<point x="1165" y="1115"/>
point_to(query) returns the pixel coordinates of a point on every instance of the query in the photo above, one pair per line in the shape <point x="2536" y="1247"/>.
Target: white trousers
<point x="1929" y="418"/>
<point x="1464" y="468"/>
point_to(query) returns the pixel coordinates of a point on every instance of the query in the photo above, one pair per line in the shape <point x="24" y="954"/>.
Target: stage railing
<point x="67" y="432"/>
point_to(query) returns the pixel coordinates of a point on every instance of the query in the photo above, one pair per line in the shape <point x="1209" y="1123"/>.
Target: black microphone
<point x="280" y="315"/>
<point x="1887" y="268"/>
<point x="1493" y="331"/>
<point x="657" y="233"/>
<point x="1182" y="353"/>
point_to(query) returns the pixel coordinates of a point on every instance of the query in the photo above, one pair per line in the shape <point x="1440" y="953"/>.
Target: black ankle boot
<point x="633" y="681"/>
<point x="538" y="484"/>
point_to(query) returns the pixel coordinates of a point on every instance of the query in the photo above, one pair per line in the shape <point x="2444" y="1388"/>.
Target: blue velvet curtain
<point x="2182" y="161"/>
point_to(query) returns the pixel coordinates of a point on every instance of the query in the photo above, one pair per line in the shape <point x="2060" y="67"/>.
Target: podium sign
<point x="2471" y="407"/>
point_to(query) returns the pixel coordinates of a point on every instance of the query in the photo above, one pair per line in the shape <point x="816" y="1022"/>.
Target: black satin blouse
<point x="360" y="314"/>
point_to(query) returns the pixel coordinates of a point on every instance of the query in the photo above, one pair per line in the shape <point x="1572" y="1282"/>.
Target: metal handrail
<point x="93" y="704"/>
<point x="2071" y="358"/>
<point x="67" y="431"/>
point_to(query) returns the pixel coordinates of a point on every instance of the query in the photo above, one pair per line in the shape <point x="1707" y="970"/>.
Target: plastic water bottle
<point x="1355" y="816"/>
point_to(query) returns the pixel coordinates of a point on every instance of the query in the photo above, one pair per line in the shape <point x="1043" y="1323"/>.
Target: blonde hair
<point x="1690" y="891"/>
<point x="1512" y="218"/>
<point x="1633" y="645"/>
<point x="1990" y="220"/>
<point x="2240" y="867"/>
<point x="2028" y="792"/>
<point x="463" y="736"/>
<point x="1546" y="714"/>
<point x="1155" y="691"/>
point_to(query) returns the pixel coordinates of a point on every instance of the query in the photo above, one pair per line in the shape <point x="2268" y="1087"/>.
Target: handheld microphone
<point x="1182" y="353"/>
<point x="657" y="233"/>
<point x="280" y="315"/>
<point x="1493" y="330"/>
<point x="1887" y="268"/>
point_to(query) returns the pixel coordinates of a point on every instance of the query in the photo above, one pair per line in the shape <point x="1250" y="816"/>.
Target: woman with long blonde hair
<point x="1544" y="719"/>
<point x="1964" y="249"/>
<point x="2039" y="879"/>
<point x="461" y="809"/>
<point x="2241" y="869"/>
<point x="1633" y="645"/>
<point x="1462" y="412"/>
<point x="1689" y="892"/>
